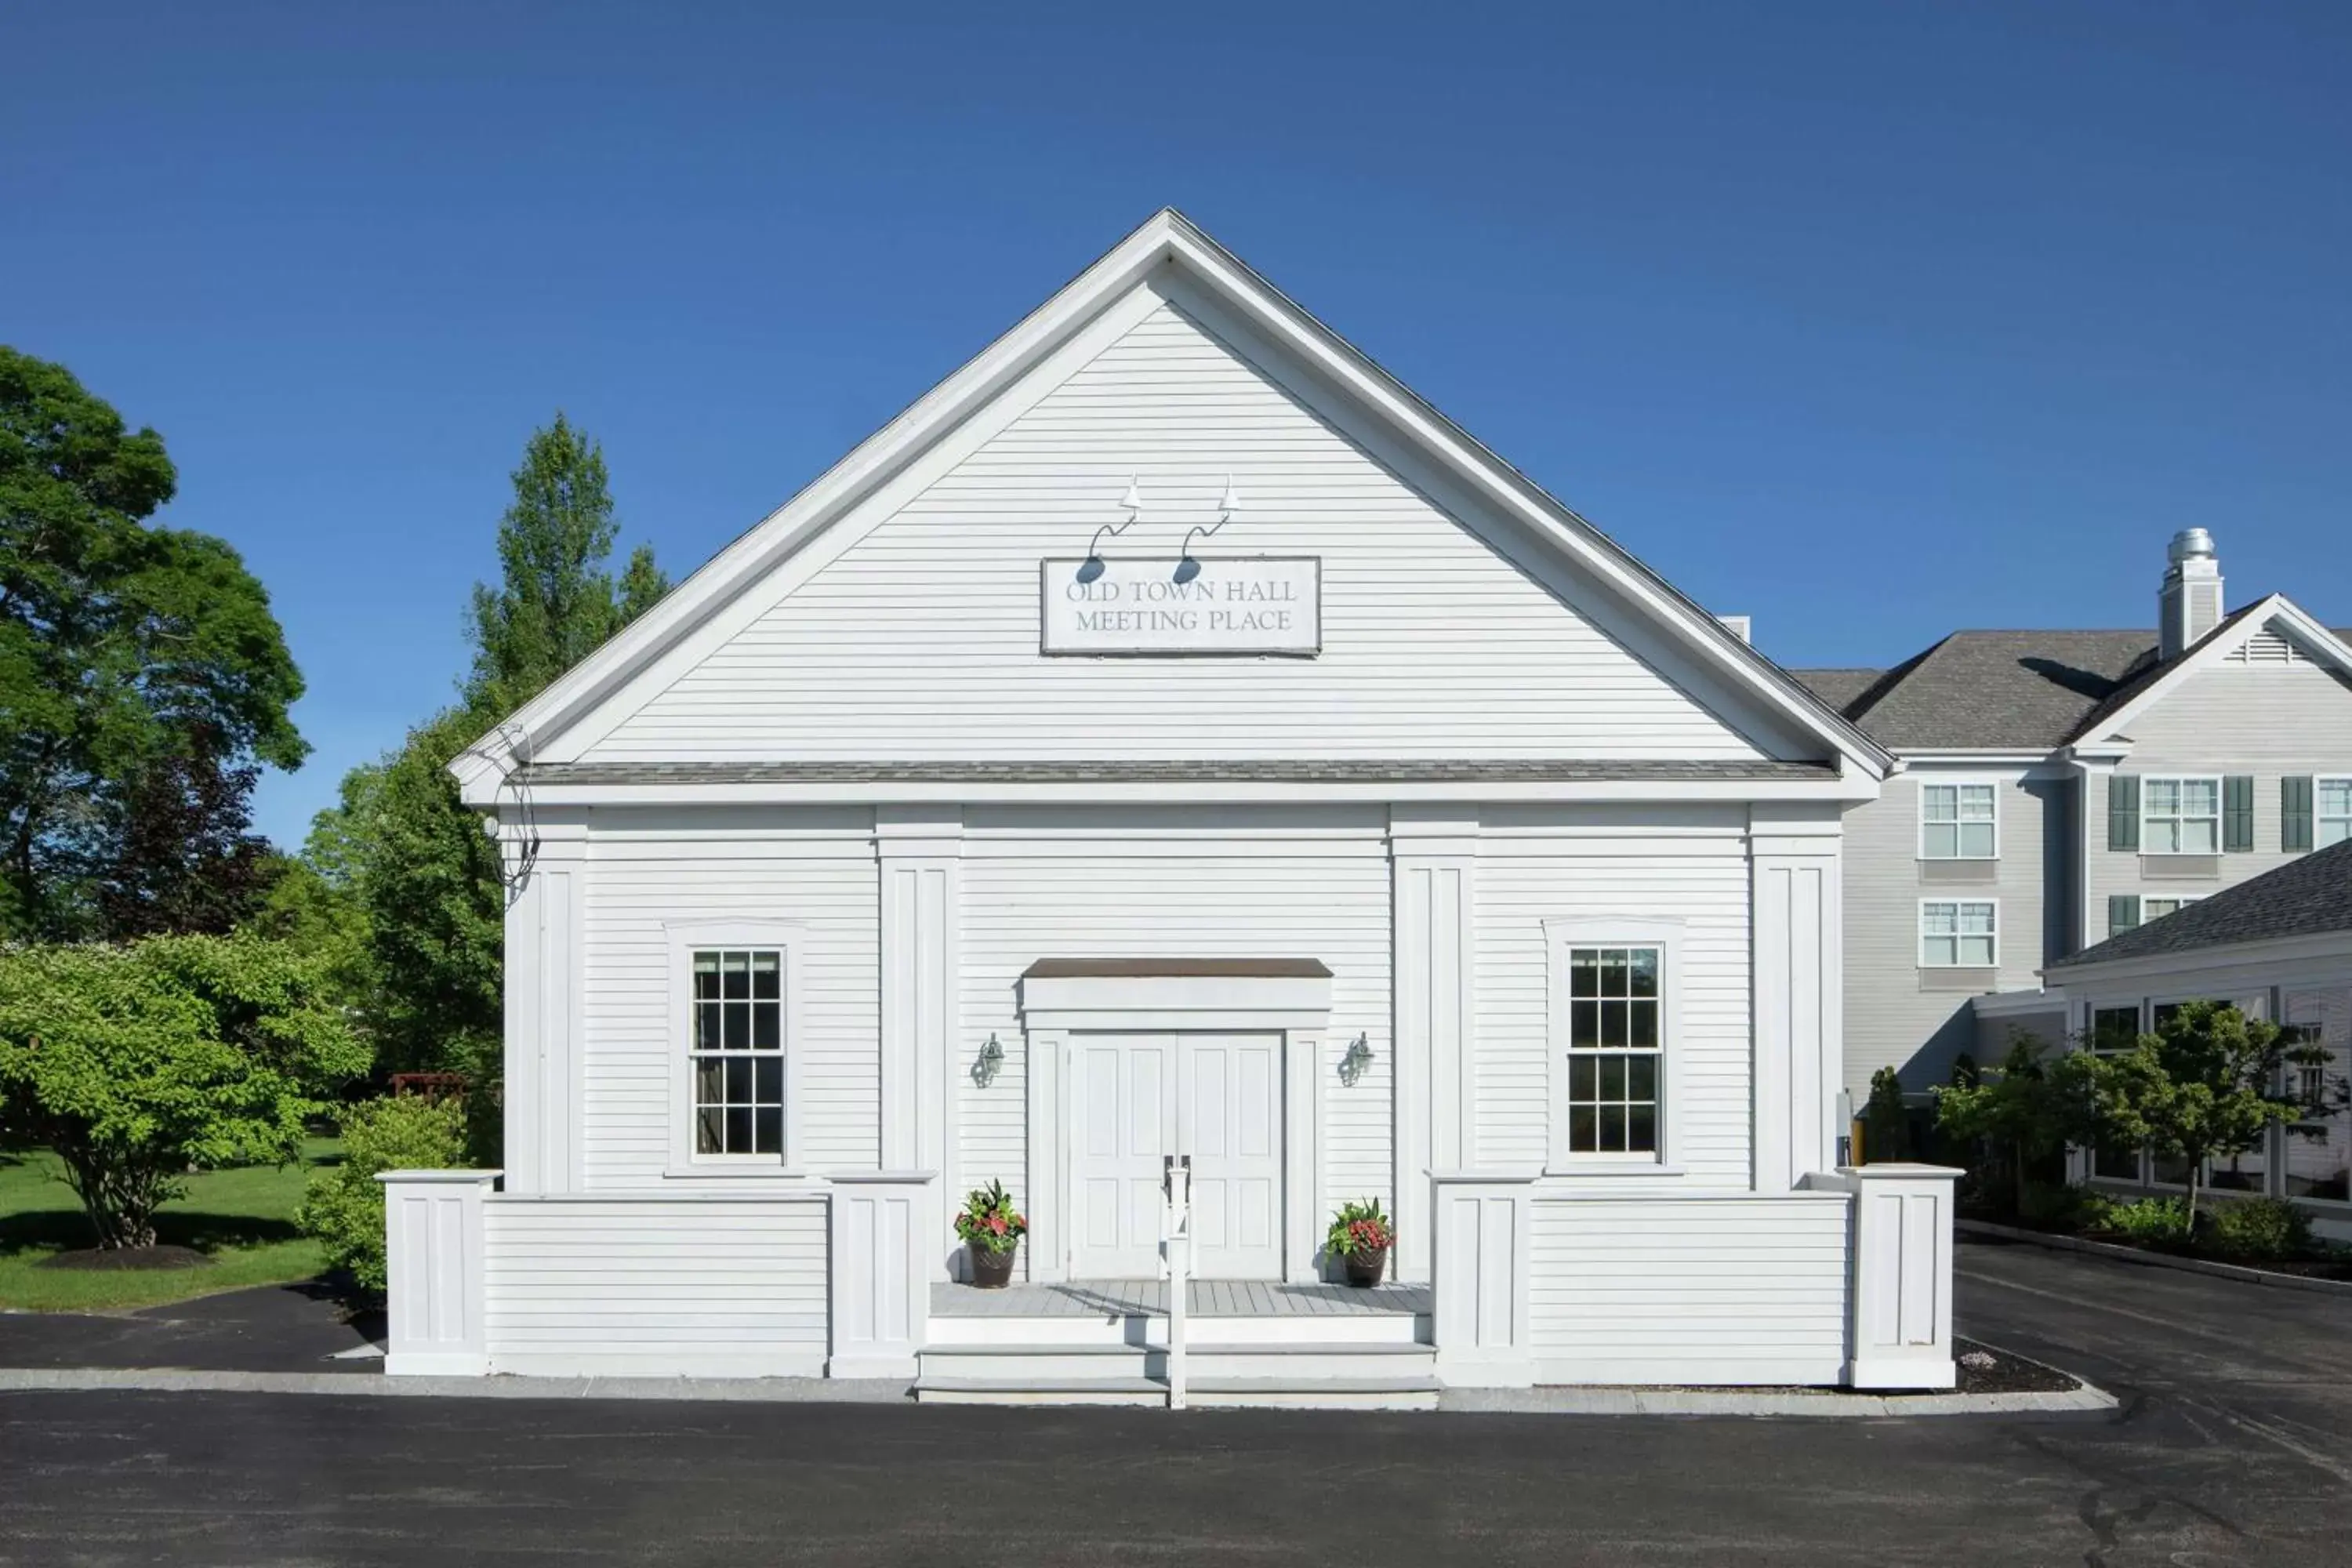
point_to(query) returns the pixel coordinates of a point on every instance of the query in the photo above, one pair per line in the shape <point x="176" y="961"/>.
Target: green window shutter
<point x="2123" y="913"/>
<point x="2238" y="814"/>
<point x="2294" y="813"/>
<point x="2123" y="811"/>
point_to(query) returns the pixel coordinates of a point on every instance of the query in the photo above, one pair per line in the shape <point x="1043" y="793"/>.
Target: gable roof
<point x="1166" y="239"/>
<point x="2310" y="896"/>
<point x="2021" y="691"/>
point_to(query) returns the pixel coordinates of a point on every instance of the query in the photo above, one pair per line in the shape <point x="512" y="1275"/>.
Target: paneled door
<point x="1135" y="1098"/>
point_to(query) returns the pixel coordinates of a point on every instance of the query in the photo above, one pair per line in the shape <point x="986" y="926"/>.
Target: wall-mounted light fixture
<point x="1132" y="501"/>
<point x="1359" y="1057"/>
<point x="1227" y="504"/>
<point x="989" y="1061"/>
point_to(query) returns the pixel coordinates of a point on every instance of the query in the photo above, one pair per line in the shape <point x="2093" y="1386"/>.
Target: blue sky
<point x="1870" y="320"/>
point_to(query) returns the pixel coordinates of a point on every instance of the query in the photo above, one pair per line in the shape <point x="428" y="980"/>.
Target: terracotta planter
<point x="991" y="1270"/>
<point x="1364" y="1267"/>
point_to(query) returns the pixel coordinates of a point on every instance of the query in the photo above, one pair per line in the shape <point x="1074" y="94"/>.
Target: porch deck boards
<point x="1148" y="1298"/>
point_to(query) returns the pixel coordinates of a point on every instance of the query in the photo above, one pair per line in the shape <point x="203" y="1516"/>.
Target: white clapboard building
<point x="1172" y="743"/>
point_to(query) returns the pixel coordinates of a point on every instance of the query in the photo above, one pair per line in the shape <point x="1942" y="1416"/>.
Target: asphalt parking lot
<point x="2234" y="1446"/>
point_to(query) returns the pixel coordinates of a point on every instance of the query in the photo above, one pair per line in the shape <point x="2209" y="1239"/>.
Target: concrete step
<point x="1131" y="1391"/>
<point x="1278" y="1362"/>
<point x="1330" y="1393"/>
<point x="1318" y="1328"/>
<point x="1266" y="1394"/>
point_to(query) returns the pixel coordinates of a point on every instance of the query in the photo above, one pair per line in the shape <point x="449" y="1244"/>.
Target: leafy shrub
<point x="1886" y="1120"/>
<point x="344" y="1204"/>
<point x="2261" y="1229"/>
<point x="2150" y="1219"/>
<point x="2055" y="1206"/>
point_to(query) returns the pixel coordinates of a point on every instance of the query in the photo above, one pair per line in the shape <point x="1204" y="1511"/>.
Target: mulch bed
<point x="1984" y="1370"/>
<point x="104" y="1259"/>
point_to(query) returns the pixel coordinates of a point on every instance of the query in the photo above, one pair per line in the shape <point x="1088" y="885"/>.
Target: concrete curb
<point x="1783" y="1402"/>
<point x="164" y="1379"/>
<point x="889" y="1391"/>
<point x="2147" y="1260"/>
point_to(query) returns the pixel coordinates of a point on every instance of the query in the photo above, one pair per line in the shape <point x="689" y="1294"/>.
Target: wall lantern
<point x="989" y="1061"/>
<point x="1092" y="567"/>
<point x="1359" y="1057"/>
<point x="1227" y="504"/>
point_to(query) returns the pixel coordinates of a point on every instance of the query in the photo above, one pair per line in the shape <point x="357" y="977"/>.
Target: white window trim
<point x="1919" y="931"/>
<point x="2220" y="810"/>
<point x="2318" y="783"/>
<point x="1920" y="846"/>
<point x="1666" y="934"/>
<point x="685" y="939"/>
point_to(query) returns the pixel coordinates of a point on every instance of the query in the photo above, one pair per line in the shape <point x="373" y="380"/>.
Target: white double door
<point x="1137" y="1099"/>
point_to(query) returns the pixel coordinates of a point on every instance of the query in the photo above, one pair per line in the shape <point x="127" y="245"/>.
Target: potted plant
<point x="1361" y="1234"/>
<point x="991" y="1228"/>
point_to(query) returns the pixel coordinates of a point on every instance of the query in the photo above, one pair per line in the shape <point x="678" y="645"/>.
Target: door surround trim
<point x="1291" y="998"/>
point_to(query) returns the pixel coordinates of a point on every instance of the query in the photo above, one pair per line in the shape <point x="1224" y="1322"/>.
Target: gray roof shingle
<point x="1999" y="690"/>
<point x="2308" y="897"/>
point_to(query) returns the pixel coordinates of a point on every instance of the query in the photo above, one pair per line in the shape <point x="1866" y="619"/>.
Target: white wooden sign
<point x="1162" y="605"/>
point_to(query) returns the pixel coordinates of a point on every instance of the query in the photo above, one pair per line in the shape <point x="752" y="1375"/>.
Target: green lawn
<point x="244" y="1219"/>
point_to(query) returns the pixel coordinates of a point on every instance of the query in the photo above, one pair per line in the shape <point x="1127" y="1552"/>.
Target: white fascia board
<point x="1983" y="757"/>
<point x="1223" y="792"/>
<point x="2248" y="624"/>
<point x="1166" y="236"/>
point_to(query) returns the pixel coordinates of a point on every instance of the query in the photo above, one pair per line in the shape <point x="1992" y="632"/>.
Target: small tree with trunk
<point x="137" y="1063"/>
<point x="2208" y="1084"/>
<point x="2027" y="1108"/>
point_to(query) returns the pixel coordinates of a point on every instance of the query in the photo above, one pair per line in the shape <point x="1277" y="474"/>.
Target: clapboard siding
<point x="2266" y="719"/>
<point x="685" y="1287"/>
<point x="1177" y="882"/>
<point x="1894" y="1015"/>
<point x="1731" y="1289"/>
<point x="920" y="641"/>
<point x="1698" y="873"/>
<point x="809" y="870"/>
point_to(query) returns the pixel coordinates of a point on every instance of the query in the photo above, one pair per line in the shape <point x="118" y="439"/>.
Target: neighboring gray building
<point x="2059" y="787"/>
<point x="2280" y="947"/>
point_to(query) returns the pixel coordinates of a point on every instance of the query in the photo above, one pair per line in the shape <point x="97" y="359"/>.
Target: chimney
<point x="2189" y="604"/>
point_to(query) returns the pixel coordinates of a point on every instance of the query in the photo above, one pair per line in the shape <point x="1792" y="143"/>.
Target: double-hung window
<point x="2114" y="1030"/>
<point x="2156" y="905"/>
<point x="2181" y="817"/>
<point x="1615" y="1017"/>
<point x="2331" y="811"/>
<point x="735" y="1101"/>
<point x="1958" y="822"/>
<point x="1959" y="933"/>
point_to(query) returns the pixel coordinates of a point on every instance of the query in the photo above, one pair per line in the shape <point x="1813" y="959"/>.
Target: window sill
<point x="1969" y="977"/>
<point x="1612" y="1168"/>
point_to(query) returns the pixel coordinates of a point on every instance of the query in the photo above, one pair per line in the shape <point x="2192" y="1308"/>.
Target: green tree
<point x="136" y="1062"/>
<point x="428" y="876"/>
<point x="2206" y="1085"/>
<point x="2023" y="1111"/>
<point x="555" y="602"/>
<point x="124" y="647"/>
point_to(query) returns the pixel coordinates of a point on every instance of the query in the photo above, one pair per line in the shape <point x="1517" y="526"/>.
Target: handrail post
<point x="1176" y="1222"/>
